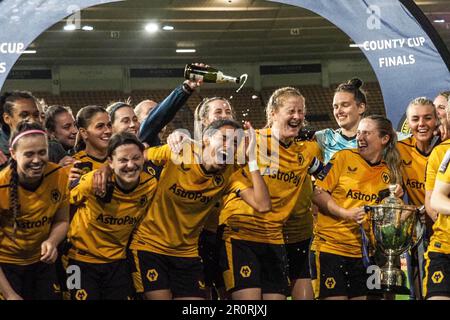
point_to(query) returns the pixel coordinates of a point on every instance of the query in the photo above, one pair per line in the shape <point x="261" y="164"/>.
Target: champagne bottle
<point x="207" y="74"/>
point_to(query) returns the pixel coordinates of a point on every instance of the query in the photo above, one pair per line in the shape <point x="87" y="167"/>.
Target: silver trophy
<point x="396" y="228"/>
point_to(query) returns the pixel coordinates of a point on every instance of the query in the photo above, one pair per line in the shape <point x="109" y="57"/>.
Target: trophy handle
<point x="420" y="228"/>
<point x="370" y="209"/>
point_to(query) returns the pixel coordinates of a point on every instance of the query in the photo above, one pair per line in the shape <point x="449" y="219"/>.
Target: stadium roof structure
<point x="220" y="31"/>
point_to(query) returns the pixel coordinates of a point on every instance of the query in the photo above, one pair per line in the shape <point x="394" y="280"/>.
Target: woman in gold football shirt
<point x="253" y="257"/>
<point x="415" y="151"/>
<point x="95" y="130"/>
<point x="33" y="217"/>
<point x="209" y="110"/>
<point x="353" y="178"/>
<point x="101" y="228"/>
<point x="165" y="245"/>
<point x="434" y="161"/>
<point x="436" y="282"/>
<point x="349" y="106"/>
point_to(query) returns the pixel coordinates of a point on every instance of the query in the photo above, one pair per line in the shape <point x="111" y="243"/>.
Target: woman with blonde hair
<point x="253" y="254"/>
<point x="352" y="179"/>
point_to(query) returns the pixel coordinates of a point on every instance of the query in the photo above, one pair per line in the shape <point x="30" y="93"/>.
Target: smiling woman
<point x="15" y="106"/>
<point x="165" y="244"/>
<point x="61" y="126"/>
<point x="109" y="220"/>
<point x="94" y="127"/>
<point x="253" y="256"/>
<point x="33" y="217"/>
<point x="123" y="118"/>
<point x="353" y="178"/>
<point x="349" y="107"/>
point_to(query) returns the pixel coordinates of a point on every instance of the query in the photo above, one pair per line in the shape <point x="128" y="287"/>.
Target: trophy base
<point x="390" y="289"/>
<point x="395" y="289"/>
<point x="393" y="281"/>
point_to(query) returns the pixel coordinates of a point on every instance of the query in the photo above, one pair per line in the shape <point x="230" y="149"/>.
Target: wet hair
<point x="276" y="101"/>
<point x="83" y="120"/>
<point x="422" y="101"/>
<point x="22" y="126"/>
<point x="112" y="108"/>
<point x="202" y="110"/>
<point x="448" y="109"/>
<point x="121" y="139"/>
<point x="445" y="94"/>
<point x="390" y="154"/>
<point x="217" y="124"/>
<point x="50" y="116"/>
<point x="354" y="86"/>
<point x="7" y="101"/>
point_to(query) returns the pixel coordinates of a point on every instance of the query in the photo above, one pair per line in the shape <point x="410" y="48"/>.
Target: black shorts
<point x="101" y="281"/>
<point x="248" y="264"/>
<point x="183" y="276"/>
<point x="61" y="264"/>
<point x="298" y="260"/>
<point x="209" y="251"/>
<point x="334" y="275"/>
<point x="36" y="281"/>
<point x="436" y="280"/>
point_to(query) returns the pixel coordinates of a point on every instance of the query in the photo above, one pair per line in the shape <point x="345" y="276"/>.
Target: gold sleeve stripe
<point x="406" y="144"/>
<point x="144" y="182"/>
<point x="53" y="171"/>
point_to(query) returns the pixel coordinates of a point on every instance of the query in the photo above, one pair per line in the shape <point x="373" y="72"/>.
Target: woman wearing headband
<point x="34" y="217"/>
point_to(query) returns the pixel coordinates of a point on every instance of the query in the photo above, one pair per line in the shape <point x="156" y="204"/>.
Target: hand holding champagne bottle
<point x="205" y="73"/>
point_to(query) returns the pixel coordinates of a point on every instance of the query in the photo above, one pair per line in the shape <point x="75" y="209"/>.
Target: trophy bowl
<point x="396" y="228"/>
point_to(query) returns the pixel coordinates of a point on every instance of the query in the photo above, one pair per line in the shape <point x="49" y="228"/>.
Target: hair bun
<point x="355" y="82"/>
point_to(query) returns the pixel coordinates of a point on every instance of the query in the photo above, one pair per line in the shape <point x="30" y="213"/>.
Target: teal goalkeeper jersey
<point x="332" y="141"/>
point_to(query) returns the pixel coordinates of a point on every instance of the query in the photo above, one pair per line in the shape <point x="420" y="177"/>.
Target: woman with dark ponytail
<point x="109" y="221"/>
<point x="94" y="127"/>
<point x="15" y="106"/>
<point x="349" y="107"/>
<point x="33" y="217"/>
<point x="61" y="127"/>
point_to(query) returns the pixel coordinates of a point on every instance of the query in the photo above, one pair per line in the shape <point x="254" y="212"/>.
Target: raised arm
<point x="257" y="196"/>
<point x="164" y="112"/>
